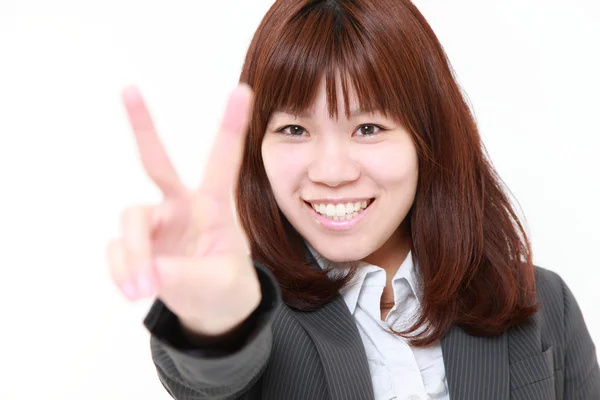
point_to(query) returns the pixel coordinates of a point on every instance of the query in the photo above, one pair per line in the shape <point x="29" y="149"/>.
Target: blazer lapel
<point x="340" y="347"/>
<point x="476" y="367"/>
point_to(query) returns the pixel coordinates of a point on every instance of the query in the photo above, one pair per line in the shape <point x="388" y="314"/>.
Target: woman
<point x="386" y="259"/>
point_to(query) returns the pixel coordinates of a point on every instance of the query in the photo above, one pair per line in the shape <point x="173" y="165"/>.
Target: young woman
<point x="386" y="260"/>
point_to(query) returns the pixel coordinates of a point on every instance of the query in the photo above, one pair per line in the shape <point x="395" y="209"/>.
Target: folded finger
<point x="119" y="270"/>
<point x="137" y="243"/>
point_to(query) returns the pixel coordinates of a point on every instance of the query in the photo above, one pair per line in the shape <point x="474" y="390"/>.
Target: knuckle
<point x="134" y="215"/>
<point x="126" y="217"/>
<point x="135" y="245"/>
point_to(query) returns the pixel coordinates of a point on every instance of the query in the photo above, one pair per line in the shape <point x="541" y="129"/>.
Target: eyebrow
<point x="305" y="114"/>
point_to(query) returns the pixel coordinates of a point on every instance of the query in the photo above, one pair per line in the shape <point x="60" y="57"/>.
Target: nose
<point x="333" y="164"/>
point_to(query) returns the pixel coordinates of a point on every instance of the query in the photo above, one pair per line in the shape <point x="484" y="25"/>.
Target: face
<point x="346" y="185"/>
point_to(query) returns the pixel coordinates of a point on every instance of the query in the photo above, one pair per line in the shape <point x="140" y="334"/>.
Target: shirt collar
<point x="376" y="277"/>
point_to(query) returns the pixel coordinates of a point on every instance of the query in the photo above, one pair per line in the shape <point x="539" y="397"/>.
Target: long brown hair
<point x="472" y="251"/>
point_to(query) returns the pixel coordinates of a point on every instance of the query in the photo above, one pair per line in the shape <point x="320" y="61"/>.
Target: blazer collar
<point x="340" y="347"/>
<point x="342" y="353"/>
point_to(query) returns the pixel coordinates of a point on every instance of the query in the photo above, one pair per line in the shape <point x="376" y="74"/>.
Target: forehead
<point x="323" y="102"/>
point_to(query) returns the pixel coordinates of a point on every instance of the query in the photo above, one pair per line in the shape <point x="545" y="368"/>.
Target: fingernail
<point x="129" y="291"/>
<point x="145" y="285"/>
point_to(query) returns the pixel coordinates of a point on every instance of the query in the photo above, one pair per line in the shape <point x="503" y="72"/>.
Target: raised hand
<point x="189" y="250"/>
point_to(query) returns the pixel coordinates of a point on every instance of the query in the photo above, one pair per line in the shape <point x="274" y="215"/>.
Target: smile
<point x="339" y="216"/>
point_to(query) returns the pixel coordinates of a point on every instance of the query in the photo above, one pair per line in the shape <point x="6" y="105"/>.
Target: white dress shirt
<point x="398" y="371"/>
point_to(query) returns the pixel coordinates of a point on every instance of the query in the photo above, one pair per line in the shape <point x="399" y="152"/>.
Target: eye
<point x="292" y="130"/>
<point x="367" y="130"/>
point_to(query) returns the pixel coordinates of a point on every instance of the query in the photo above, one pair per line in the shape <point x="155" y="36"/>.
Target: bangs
<point x="324" y="39"/>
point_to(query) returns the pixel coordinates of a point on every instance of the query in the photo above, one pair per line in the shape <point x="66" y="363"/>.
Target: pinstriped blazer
<point x="319" y="355"/>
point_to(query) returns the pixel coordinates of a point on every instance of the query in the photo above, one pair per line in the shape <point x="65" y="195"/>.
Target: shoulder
<point x="564" y="329"/>
<point x="559" y="313"/>
<point x="550" y="295"/>
<point x="545" y="330"/>
<point x="549" y="287"/>
<point x="553" y="292"/>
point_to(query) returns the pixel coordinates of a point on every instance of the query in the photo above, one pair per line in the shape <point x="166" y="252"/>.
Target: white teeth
<point x="349" y="208"/>
<point x="340" y="212"/>
<point x="330" y="210"/>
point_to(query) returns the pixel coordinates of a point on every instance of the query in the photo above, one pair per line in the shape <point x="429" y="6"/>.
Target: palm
<point x="182" y="232"/>
<point x="176" y="234"/>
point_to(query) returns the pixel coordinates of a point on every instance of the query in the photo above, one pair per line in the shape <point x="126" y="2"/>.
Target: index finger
<point x="225" y="158"/>
<point x="153" y="155"/>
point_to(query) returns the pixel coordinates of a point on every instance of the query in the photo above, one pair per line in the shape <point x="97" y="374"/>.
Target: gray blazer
<point x="319" y="355"/>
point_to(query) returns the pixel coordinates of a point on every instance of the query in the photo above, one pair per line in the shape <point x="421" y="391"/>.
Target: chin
<point x="337" y="253"/>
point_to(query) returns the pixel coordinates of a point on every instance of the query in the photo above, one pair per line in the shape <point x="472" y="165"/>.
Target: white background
<point x="68" y="163"/>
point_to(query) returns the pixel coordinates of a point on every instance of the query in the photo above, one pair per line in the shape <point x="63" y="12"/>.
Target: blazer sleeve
<point x="224" y="372"/>
<point x="582" y="374"/>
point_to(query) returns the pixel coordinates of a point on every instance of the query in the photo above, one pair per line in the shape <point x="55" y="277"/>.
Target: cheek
<point x="284" y="166"/>
<point x="393" y="164"/>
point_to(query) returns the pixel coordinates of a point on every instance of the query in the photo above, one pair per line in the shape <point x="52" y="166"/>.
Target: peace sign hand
<point x="189" y="250"/>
